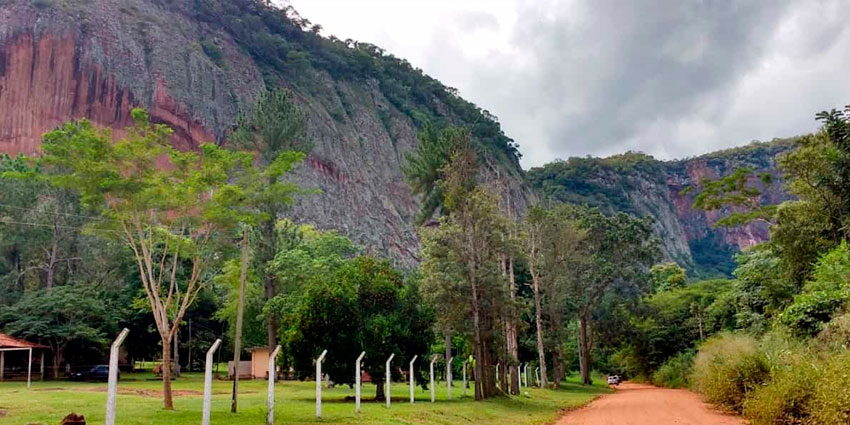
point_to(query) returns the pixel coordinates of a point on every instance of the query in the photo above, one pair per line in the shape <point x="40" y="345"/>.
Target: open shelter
<point x="20" y="357"/>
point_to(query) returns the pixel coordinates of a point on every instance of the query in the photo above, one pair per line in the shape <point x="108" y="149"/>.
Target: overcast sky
<point x="597" y="77"/>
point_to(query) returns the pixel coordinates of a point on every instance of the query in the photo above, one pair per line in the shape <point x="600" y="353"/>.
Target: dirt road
<point x="635" y="404"/>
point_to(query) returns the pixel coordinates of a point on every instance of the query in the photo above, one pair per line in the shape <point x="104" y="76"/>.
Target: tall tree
<point x="565" y="260"/>
<point x="168" y="207"/>
<point x="61" y="317"/>
<point x="621" y="250"/>
<point x="534" y="232"/>
<point x="461" y="262"/>
<point x="274" y="127"/>
<point x="424" y="170"/>
<point x="363" y="304"/>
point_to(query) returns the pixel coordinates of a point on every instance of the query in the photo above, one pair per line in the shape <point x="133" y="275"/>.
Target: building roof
<point x="7" y="341"/>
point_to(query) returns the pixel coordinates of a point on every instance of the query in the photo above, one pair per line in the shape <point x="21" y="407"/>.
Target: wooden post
<point x="357" y="378"/>
<point x="208" y="382"/>
<point x="2" y="364"/>
<point x="42" y="365"/>
<point x="272" y="376"/>
<point x="112" y="387"/>
<point x="319" y="384"/>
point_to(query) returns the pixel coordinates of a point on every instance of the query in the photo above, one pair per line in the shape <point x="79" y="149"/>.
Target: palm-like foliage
<point x="423" y="168"/>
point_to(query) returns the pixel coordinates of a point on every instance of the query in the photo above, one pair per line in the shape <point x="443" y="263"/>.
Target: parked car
<point x="614" y="380"/>
<point x="97" y="373"/>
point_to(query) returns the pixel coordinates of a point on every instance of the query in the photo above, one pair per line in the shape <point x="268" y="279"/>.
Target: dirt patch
<point x="635" y="404"/>
<point x="3" y="413"/>
<point x="155" y="393"/>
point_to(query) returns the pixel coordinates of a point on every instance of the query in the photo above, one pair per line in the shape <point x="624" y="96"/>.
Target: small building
<point x="256" y="368"/>
<point x="19" y="359"/>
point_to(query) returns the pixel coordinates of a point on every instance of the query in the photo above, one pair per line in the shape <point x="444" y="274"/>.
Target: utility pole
<point x="240" y="311"/>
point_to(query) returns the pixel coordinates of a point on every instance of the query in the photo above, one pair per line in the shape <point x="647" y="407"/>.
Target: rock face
<point x="69" y="59"/>
<point x="642" y="186"/>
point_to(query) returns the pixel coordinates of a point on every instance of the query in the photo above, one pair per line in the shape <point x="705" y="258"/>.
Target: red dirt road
<point x="636" y="404"/>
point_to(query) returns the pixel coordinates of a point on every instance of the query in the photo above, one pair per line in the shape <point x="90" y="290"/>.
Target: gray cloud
<point x="670" y="78"/>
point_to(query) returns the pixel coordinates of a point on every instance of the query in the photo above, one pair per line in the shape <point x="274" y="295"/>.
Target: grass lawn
<point x="139" y="403"/>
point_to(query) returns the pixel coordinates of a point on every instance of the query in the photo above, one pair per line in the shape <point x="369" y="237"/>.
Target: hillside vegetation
<point x="641" y="185"/>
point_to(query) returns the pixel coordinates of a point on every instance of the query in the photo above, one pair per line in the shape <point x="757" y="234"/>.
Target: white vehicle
<point x="613" y="380"/>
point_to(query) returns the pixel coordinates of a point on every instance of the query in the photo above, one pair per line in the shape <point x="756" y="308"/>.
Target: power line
<point x="58" y="213"/>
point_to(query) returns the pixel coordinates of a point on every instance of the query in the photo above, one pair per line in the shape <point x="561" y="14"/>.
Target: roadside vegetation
<point x="772" y="343"/>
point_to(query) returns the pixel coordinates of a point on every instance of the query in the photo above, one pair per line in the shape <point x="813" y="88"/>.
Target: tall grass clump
<point x="786" y="398"/>
<point x="728" y="367"/>
<point x="831" y="402"/>
<point x="675" y="372"/>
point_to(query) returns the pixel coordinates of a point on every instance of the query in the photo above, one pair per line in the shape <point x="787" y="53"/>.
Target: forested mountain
<point x="196" y="64"/>
<point x="641" y="185"/>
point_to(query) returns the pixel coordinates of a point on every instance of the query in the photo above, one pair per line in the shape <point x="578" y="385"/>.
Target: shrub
<point x="675" y="372"/>
<point x="811" y="310"/>
<point x="786" y="398"/>
<point x="836" y="333"/>
<point x="831" y="402"/>
<point x="728" y="367"/>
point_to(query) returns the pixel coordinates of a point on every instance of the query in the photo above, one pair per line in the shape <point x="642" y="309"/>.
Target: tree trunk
<point x="54" y="253"/>
<point x="58" y="357"/>
<point x="379" y="389"/>
<point x="583" y="349"/>
<point x="513" y="344"/>
<point x="557" y="367"/>
<point x="541" y="352"/>
<point x="176" y="341"/>
<point x="448" y="339"/>
<point x="167" y="399"/>
<point x="240" y="312"/>
<point x="477" y="338"/>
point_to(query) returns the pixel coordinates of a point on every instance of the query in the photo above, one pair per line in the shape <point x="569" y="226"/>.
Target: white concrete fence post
<point x="272" y="378"/>
<point x="498" y="381"/>
<point x="521" y="375"/>
<point x="433" y="360"/>
<point x="112" y="387"/>
<point x="208" y="382"/>
<point x="29" y="370"/>
<point x="526" y="376"/>
<point x="463" y="393"/>
<point x="319" y="384"/>
<point x="389" y="378"/>
<point x="449" y="378"/>
<point x="412" y="379"/>
<point x="537" y="375"/>
<point x="357" y="378"/>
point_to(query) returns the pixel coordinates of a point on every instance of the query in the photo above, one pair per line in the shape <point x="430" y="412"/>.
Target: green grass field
<point x="139" y="403"/>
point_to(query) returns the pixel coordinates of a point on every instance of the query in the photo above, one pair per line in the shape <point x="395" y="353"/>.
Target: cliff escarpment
<point x="197" y="64"/>
<point x="664" y="190"/>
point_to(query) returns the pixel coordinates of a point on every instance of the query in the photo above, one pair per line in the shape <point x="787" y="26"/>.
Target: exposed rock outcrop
<point x="62" y="60"/>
